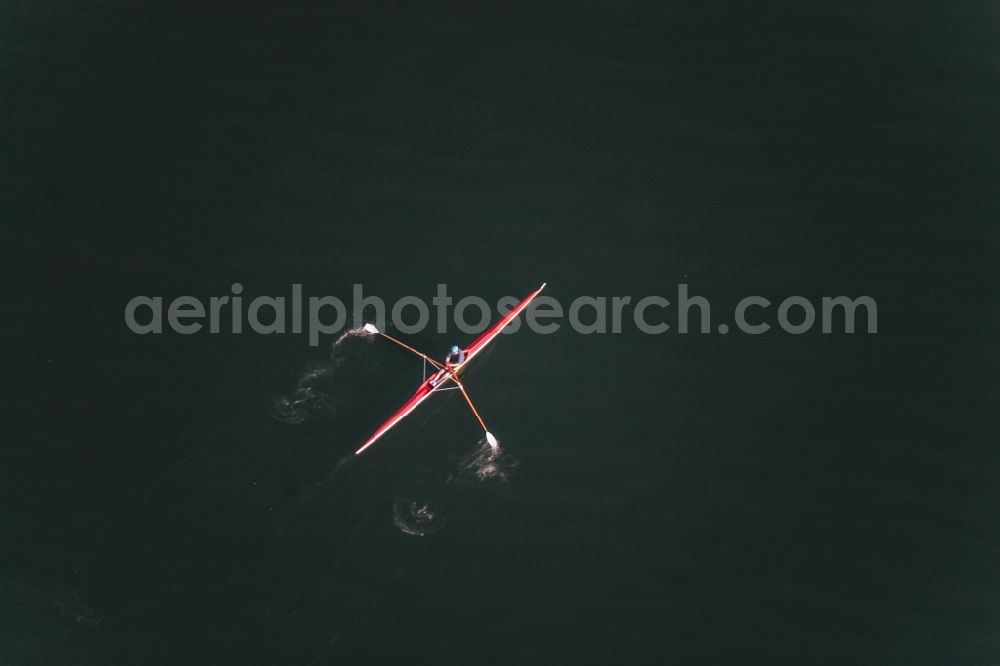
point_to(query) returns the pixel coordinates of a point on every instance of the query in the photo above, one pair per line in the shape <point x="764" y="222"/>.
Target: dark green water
<point x="682" y="499"/>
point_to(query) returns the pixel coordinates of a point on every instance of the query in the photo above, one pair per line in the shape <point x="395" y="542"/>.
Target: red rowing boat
<point x="436" y="381"/>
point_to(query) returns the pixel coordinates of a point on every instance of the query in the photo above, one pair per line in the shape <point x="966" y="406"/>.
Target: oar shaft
<point x="408" y="347"/>
<point x="465" y="394"/>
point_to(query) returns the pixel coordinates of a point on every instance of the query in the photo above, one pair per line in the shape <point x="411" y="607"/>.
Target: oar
<point x="489" y="436"/>
<point x="370" y="328"/>
<point x="452" y="374"/>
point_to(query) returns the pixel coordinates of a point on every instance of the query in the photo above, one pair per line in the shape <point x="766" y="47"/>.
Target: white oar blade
<point x="370" y="328"/>
<point x="492" y="440"/>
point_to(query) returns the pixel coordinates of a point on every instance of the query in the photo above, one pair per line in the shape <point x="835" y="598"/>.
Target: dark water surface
<point x="682" y="499"/>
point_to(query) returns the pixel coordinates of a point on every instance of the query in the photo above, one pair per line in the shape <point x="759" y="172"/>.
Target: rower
<point x="455" y="357"/>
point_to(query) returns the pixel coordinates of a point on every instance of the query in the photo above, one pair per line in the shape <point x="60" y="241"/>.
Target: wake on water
<point x="310" y="397"/>
<point x="422" y="511"/>
<point x="417" y="517"/>
<point x="486" y="463"/>
<point x="307" y="399"/>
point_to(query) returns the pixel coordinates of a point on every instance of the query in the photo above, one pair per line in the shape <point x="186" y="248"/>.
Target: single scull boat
<point x="437" y="380"/>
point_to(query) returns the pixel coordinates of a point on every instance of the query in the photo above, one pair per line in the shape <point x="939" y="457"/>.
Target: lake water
<point x="685" y="499"/>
